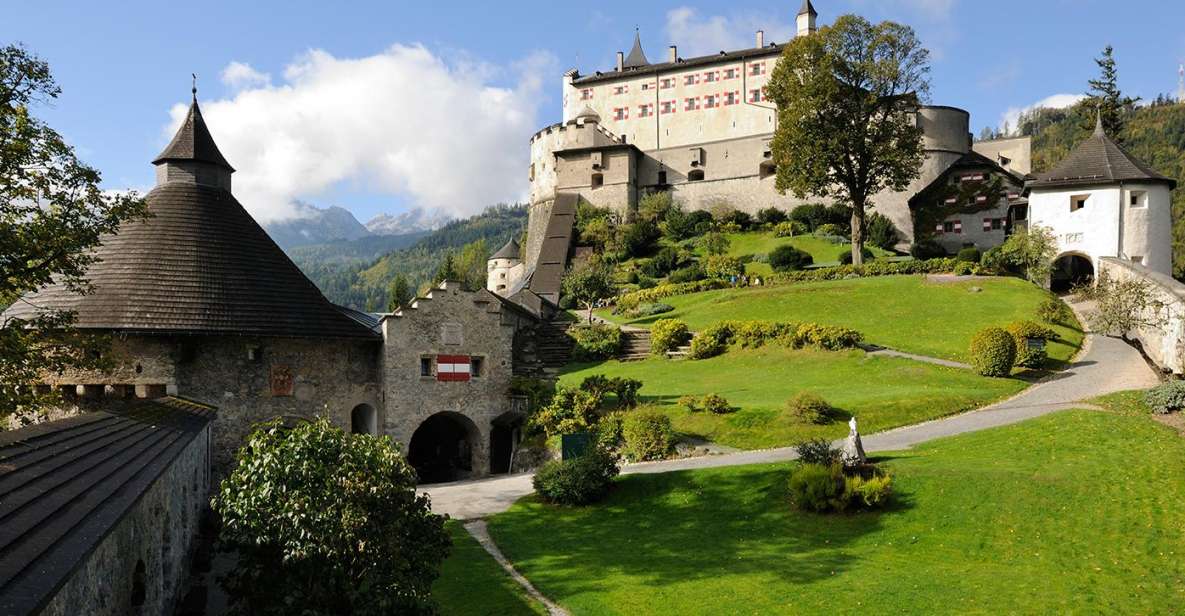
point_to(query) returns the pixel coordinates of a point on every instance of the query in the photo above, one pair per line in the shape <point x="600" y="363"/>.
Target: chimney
<point x="620" y="61"/>
<point x="674" y="54"/>
<point x="760" y="39"/>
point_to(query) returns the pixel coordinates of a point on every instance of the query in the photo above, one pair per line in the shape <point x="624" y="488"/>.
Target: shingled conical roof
<point x="807" y="9"/>
<point x="198" y="265"/>
<point x="1098" y="160"/>
<point x="636" y="58"/>
<point x="509" y="251"/>
<point x="193" y="142"/>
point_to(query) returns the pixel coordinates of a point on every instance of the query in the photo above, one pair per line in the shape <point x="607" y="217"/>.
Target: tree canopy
<point x="53" y="213"/>
<point x="846" y="130"/>
<point x="587" y="282"/>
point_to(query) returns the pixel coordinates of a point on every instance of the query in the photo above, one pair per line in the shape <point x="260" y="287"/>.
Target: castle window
<point x="730" y="73"/>
<point x="711" y="101"/>
<point x="598" y="180"/>
<point x="691" y="104"/>
<point x="662" y="178"/>
<point x="1078" y="202"/>
<point x="622" y="89"/>
<point x="647" y="86"/>
<point x="754" y="96"/>
<point x="695" y="175"/>
<point x="668" y="107"/>
<point x="621" y="113"/>
<point x="426" y="366"/>
<point x="669" y="82"/>
<point x="645" y="111"/>
<point x="691" y="80"/>
<point x="586" y="94"/>
<point x="476" y="366"/>
<point x="757" y="69"/>
<point x="1136" y="259"/>
<point x="730" y="98"/>
<point x="1139" y="198"/>
<point x="710" y="77"/>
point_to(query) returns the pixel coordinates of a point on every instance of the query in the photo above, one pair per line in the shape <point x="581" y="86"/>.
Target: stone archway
<point x="505" y="434"/>
<point x="364" y="420"/>
<point x="1070" y="270"/>
<point x="444" y="448"/>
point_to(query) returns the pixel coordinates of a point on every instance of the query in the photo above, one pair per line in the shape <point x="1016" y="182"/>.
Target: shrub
<point x="1166" y="397"/>
<point x="715" y="404"/>
<point x="691" y="273"/>
<point x="638" y="238"/>
<point x="666" y="260"/>
<point x="647" y="435"/>
<point x="869" y="493"/>
<point x="755" y="334"/>
<point x="827" y="337"/>
<point x="790" y="228"/>
<point x="626" y="391"/>
<point x="814" y="487"/>
<point x="691" y="403"/>
<point x="579" y="481"/>
<point x="656" y="206"/>
<point x="373" y="542"/>
<point x="845" y="256"/>
<point x="830" y="230"/>
<point x="570" y="410"/>
<point x="966" y="268"/>
<point x="679" y="225"/>
<point x="771" y="216"/>
<point x="727" y="216"/>
<point x="880" y="232"/>
<point x="712" y="341"/>
<point x="993" y="352"/>
<point x="596" y="384"/>
<point x="609" y="430"/>
<point x="714" y="243"/>
<point x="595" y="342"/>
<point x="786" y="258"/>
<point x="818" y="451"/>
<point x="1054" y="310"/>
<point x="811" y="216"/>
<point x="667" y="335"/>
<point x="875" y="268"/>
<point x="723" y="267"/>
<point x="969" y="255"/>
<point x="927" y="249"/>
<point x="1021" y="332"/>
<point x="809" y="407"/>
<point x="993" y="260"/>
<point x="662" y="291"/>
<point x="649" y="310"/>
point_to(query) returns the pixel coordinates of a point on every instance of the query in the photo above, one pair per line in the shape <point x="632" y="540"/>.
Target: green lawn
<point x="906" y="313"/>
<point x="1075" y="512"/>
<point x="471" y="583"/>
<point x="883" y="392"/>
<point x="823" y="251"/>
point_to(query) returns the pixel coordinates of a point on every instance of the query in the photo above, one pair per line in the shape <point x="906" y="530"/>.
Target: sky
<point x="387" y="106"/>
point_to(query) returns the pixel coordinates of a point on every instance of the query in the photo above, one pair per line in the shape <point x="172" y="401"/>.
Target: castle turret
<point x="504" y="269"/>
<point x="192" y="156"/>
<point x="806" y="18"/>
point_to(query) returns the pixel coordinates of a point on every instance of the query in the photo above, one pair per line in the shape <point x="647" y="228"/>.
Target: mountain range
<point x="316" y="226"/>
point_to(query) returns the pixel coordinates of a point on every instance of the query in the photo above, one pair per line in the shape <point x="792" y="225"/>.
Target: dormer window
<point x="1078" y="202"/>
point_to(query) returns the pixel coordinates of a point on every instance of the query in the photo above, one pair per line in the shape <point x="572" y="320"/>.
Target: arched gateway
<point x="1070" y="270"/>
<point x="442" y="449"/>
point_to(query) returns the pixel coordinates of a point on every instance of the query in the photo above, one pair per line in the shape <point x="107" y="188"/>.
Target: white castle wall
<point x="1165" y="345"/>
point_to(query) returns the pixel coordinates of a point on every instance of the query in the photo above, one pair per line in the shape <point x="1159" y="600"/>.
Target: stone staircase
<point x="635" y="345"/>
<point x="553" y="347"/>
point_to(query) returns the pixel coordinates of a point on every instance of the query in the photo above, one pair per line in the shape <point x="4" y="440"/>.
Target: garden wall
<point x="1165" y="345"/>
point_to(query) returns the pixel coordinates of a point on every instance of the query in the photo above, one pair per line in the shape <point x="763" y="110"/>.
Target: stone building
<point x="701" y="128"/>
<point x="97" y="511"/>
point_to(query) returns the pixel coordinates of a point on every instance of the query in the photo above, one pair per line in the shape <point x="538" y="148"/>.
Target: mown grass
<point x="822" y="250"/>
<point x="472" y="583"/>
<point x="907" y="313"/>
<point x="1075" y="512"/>
<point x="882" y="392"/>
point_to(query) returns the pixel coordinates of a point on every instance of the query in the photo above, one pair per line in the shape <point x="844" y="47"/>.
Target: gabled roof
<point x="66" y="484"/>
<point x="808" y="9"/>
<point x="969" y="161"/>
<point x="193" y="142"/>
<point x="1098" y="160"/>
<point x="509" y="251"/>
<point x="636" y="58"/>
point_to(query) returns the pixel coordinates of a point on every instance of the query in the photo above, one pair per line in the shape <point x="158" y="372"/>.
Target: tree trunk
<point x="590" y="309"/>
<point x="858" y="233"/>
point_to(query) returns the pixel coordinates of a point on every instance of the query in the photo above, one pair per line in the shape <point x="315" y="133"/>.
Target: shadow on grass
<point x="669" y="528"/>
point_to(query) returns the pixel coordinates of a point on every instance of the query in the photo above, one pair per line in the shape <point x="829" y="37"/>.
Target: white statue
<point x="853" y="449"/>
<point x="852" y="425"/>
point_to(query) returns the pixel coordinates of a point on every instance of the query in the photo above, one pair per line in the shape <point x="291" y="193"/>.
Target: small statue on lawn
<point x="853" y="450"/>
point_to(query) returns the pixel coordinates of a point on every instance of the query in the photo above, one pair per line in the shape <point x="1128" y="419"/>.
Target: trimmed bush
<point x="667" y="335"/>
<point x="1054" y="310"/>
<point x="579" y="481"/>
<point x="827" y="337"/>
<point x="647" y="435"/>
<point x="966" y="268"/>
<point x="570" y="410"/>
<point x="626" y="391"/>
<point x="786" y="258"/>
<point x="649" y="310"/>
<point x="1166" y="397"/>
<point x="637" y="239"/>
<point x="715" y="404"/>
<point x="609" y="430"/>
<point x="969" y="255"/>
<point x="716" y="338"/>
<point x="993" y="352"/>
<point x="875" y="268"/>
<point x="691" y="403"/>
<point x="845" y="256"/>
<point x="869" y="493"/>
<point x="993" y="260"/>
<point x="632" y="300"/>
<point x="814" y="487"/>
<point x="595" y="342"/>
<point x="714" y="243"/>
<point x="665" y="261"/>
<point x="712" y="341"/>
<point x="811" y="216"/>
<point x="1021" y="332"/>
<point x="830" y="230"/>
<point x="818" y="451"/>
<point x="809" y="407"/>
<point x="723" y="267"/>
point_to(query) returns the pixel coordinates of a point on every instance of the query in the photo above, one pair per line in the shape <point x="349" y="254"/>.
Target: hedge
<point x="632" y="300"/>
<point x="716" y="338"/>
<point x="667" y="335"/>
<point x="993" y="352"/>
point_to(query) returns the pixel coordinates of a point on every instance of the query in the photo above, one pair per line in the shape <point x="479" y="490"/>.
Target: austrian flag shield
<point x="452" y="367"/>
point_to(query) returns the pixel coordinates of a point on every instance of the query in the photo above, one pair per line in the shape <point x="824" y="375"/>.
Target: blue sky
<point x="379" y="106"/>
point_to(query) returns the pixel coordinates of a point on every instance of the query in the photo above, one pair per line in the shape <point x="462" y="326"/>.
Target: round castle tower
<point x="504" y="270"/>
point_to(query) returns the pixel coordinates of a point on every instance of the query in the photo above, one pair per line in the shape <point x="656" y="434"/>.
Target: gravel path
<point x="1104" y="366"/>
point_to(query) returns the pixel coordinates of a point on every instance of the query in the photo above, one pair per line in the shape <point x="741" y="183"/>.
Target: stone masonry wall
<point x="1165" y="345"/>
<point x="158" y="532"/>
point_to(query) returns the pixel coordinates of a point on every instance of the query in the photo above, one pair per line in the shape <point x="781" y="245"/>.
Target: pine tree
<point x="399" y="293"/>
<point x="448" y="270"/>
<point x="1106" y="99"/>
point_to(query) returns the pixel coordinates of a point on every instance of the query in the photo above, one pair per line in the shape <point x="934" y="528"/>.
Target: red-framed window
<point x="711" y="101"/>
<point x="646" y="110"/>
<point x="757" y="69"/>
<point x="711" y="76"/>
<point x="625" y="89"/>
<point x="666" y="83"/>
<point x="667" y="107"/>
<point x="732" y="98"/>
<point x="755" y="96"/>
<point x="731" y="73"/>
<point x="690" y="80"/>
<point x="691" y="103"/>
<point x="586" y="94"/>
<point x="621" y="113"/>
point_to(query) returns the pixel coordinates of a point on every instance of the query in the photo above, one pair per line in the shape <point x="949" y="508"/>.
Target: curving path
<point x="1104" y="366"/>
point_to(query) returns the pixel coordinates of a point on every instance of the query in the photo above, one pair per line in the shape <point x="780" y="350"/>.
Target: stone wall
<point x="537" y="218"/>
<point x="449" y="321"/>
<point x="155" y="536"/>
<point x="1165" y="345"/>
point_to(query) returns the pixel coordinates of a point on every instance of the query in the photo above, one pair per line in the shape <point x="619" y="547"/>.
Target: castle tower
<point x="504" y="269"/>
<point x="806" y="18"/>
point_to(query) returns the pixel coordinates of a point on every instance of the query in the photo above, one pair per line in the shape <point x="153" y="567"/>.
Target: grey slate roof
<point x="1098" y="160"/>
<point x="636" y="58"/>
<point x="199" y="265"/>
<point x="509" y="251"/>
<point x="548" y="274"/>
<point x="683" y="63"/>
<point x="193" y="142"/>
<point x="64" y="485"/>
<point x="808" y="8"/>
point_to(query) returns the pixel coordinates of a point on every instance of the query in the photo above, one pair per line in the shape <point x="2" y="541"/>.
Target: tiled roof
<point x="509" y="251"/>
<point x="199" y="265"/>
<point x="549" y="268"/>
<point x="64" y="485"/>
<point x="1098" y="160"/>
<point x="193" y="142"/>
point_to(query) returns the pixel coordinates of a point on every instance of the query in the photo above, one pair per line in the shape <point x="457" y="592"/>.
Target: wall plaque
<point x="282" y="381"/>
<point x="450" y="334"/>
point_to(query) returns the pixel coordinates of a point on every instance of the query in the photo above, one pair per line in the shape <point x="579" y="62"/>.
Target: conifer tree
<point x="1106" y="99"/>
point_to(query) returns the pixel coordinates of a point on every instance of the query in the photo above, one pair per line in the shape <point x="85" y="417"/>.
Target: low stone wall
<point x="1164" y="345"/>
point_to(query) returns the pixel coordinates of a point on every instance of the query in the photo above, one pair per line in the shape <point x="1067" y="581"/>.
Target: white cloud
<point x="1056" y="101"/>
<point x="698" y="35"/>
<point x="402" y="122"/>
<point x="242" y="75"/>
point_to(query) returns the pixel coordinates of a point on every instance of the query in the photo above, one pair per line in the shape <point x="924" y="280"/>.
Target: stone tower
<point x="504" y="269"/>
<point x="806" y="18"/>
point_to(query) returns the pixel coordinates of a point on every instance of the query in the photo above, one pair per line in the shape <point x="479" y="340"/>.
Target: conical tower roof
<point x="199" y="264"/>
<point x="1098" y="160"/>
<point x="636" y="58"/>
<point x="808" y="9"/>
<point x="509" y="251"/>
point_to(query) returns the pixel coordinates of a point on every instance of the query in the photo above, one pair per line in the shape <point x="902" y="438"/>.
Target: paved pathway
<point x="1105" y="365"/>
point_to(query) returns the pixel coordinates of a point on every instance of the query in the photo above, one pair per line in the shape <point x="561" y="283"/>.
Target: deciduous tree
<point x="588" y="282"/>
<point x="845" y="98"/>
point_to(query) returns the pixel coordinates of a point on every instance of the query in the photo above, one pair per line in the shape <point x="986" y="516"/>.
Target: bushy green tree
<point x="1031" y="251"/>
<point x="399" y="293"/>
<point x="53" y="213"/>
<point x="714" y="243"/>
<point x="588" y="282"/>
<point x="846" y="130"/>
<point x="324" y="523"/>
<point x="448" y="270"/>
